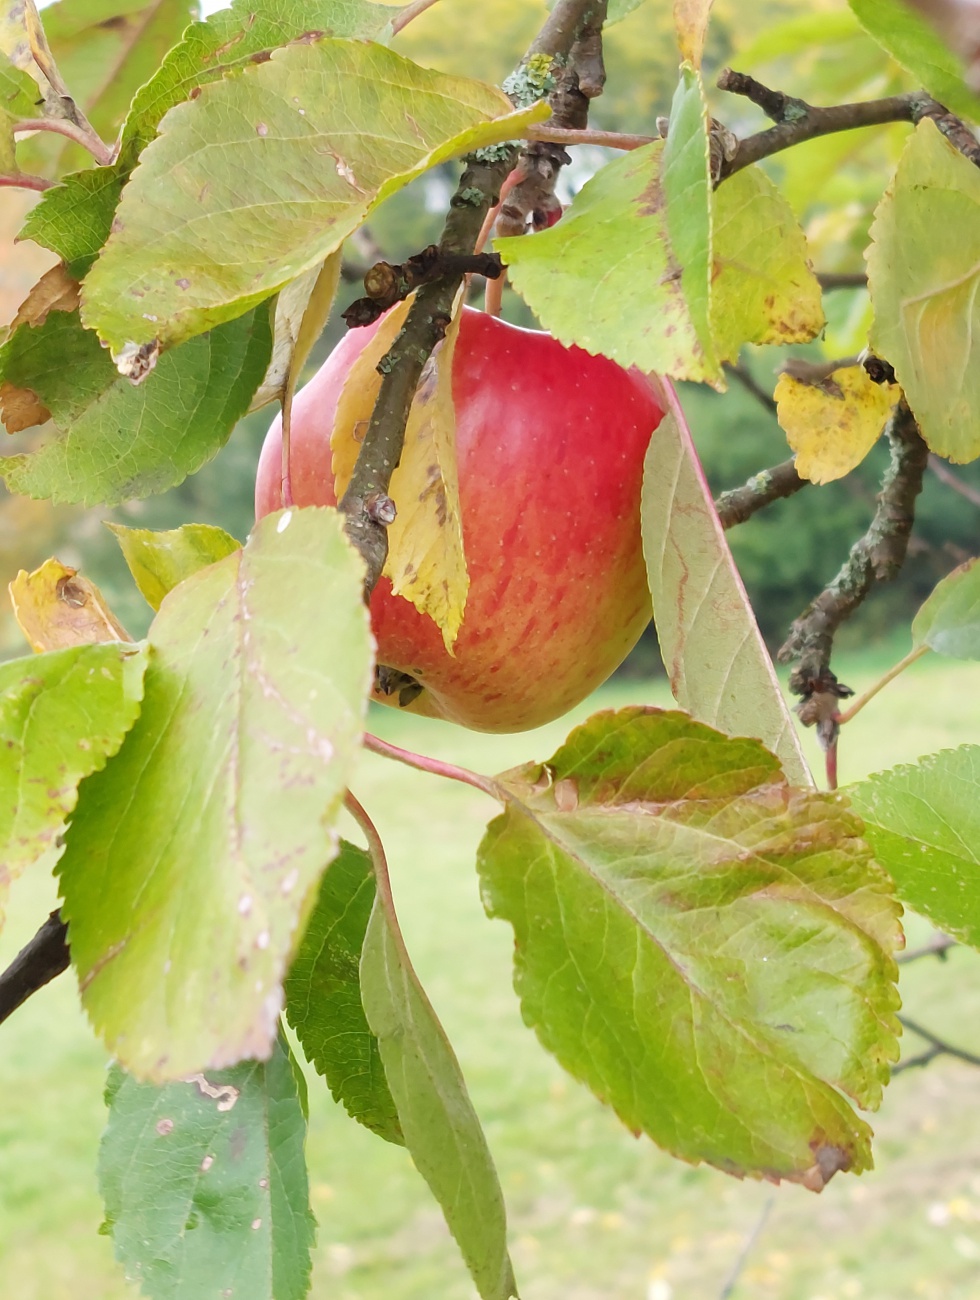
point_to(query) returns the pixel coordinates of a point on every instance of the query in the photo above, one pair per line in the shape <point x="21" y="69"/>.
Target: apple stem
<point x="494" y="296"/>
<point x="510" y="180"/>
<point x="882" y="682"/>
<point x="434" y="765"/>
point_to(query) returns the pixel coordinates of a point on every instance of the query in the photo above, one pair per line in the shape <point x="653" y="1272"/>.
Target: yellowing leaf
<point x="425" y="562"/>
<point x="691" y="21"/>
<point x="764" y="290"/>
<point x="302" y="309"/>
<point x="160" y="561"/>
<point x="924" y="277"/>
<point x="56" y="607"/>
<point x="833" y="424"/>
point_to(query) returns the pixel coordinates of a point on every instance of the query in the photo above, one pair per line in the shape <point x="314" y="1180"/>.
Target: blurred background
<point x="595" y="1214"/>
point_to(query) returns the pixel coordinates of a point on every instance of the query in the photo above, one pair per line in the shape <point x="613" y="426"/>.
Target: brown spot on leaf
<point x="223" y="49"/>
<point x="566" y="795"/>
<point x="55" y="291"/>
<point x="164" y="1127"/>
<point x="21" y="408"/>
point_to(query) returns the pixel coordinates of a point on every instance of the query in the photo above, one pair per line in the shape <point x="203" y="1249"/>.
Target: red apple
<point x="550" y="442"/>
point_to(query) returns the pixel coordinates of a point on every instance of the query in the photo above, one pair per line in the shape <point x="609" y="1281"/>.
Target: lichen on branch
<point x="876" y="557"/>
<point x="796" y="120"/>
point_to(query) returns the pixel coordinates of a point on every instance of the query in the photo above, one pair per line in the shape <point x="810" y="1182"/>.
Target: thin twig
<point x="844" y="280"/>
<point x="937" y="1047"/>
<point x="431" y="311"/>
<point x="938" y="946"/>
<point x="946" y="475"/>
<point x="22" y="181"/>
<point x="796" y="120"/>
<point x="876" y="557"/>
<point x="747" y="1247"/>
<point x="881" y="683"/>
<point x="37" y="964"/>
<point x="81" y="134"/>
<point x="739" y="504"/>
<point x="750" y="385"/>
<point x="422" y="763"/>
<point x="608" y="139"/>
<point x="410" y="12"/>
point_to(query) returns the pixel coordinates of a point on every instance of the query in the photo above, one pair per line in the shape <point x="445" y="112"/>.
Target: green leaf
<point x="323" y="995"/>
<point x="106" y="50"/>
<point x="923" y="823"/>
<point x="949" y="620"/>
<point x="205" y="1183"/>
<point x="625" y="272"/>
<point x="916" y="45"/>
<point x="925" y="289"/>
<point x="62" y="715"/>
<point x="269" y="165"/>
<point x="231" y="38"/>
<point x="74" y="218"/>
<point x="720" y="669"/>
<point x="112" y="440"/>
<point x="193" y="859"/>
<point x="440" y="1126"/>
<point x="160" y="561"/>
<point x="705" y="947"/>
<point x="19" y="94"/>
<point x="764" y="290"/>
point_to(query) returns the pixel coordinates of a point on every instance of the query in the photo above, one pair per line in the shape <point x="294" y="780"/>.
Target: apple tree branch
<point x="366" y="504"/>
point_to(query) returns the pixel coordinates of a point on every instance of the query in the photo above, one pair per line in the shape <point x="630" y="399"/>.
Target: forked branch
<point x="796" y="120"/>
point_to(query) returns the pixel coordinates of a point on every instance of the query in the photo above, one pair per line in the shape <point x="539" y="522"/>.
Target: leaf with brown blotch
<point x="426" y="563"/>
<point x="834" y="422"/>
<point x="20" y="408"/>
<point x="56" y="607"/>
<point x="718" y="663"/>
<point x="764" y="289"/>
<point x="55" y="291"/>
<point x="708" y="949"/>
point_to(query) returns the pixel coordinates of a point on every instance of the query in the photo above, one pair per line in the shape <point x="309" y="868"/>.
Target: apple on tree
<point x="550" y="447"/>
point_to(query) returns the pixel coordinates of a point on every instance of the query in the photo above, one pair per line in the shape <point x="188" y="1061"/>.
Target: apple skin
<point x="550" y="445"/>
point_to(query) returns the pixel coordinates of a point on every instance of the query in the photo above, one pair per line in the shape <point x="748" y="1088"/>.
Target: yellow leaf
<point x="425" y="563"/>
<point x="691" y="21"/>
<point x="764" y="290"/>
<point x="57" y="608"/>
<point x="833" y="424"/>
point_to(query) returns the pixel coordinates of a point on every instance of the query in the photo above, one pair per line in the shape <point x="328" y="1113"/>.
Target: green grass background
<point x="595" y="1214"/>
